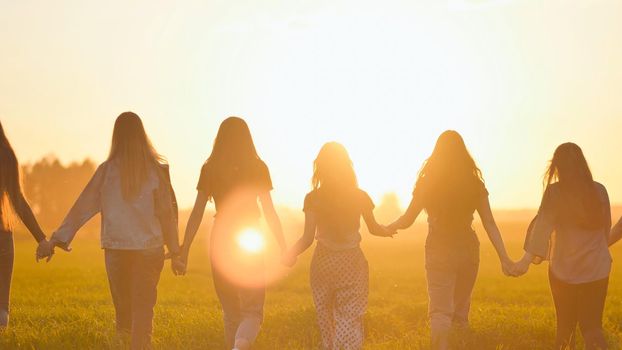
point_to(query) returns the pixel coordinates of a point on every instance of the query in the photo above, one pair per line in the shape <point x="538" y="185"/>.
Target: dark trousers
<point x="6" y="268"/>
<point x="133" y="276"/>
<point x="583" y="304"/>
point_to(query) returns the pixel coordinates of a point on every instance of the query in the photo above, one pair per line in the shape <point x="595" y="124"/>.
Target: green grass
<point x="66" y="304"/>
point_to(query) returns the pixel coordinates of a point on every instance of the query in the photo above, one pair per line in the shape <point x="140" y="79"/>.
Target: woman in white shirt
<point x="577" y="209"/>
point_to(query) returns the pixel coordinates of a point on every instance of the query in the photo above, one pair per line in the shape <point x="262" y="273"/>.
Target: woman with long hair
<point x="450" y="188"/>
<point x="12" y="201"/>
<point x="339" y="270"/>
<point x="235" y="178"/>
<point x="132" y="191"/>
<point x="576" y="209"/>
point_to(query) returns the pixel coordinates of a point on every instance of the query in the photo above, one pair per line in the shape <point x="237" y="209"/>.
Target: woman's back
<point x="338" y="215"/>
<point x="127" y="223"/>
<point x="579" y="252"/>
<point x="450" y="211"/>
<point x="235" y="189"/>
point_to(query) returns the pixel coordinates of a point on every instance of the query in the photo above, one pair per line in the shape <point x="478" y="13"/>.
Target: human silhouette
<point x="132" y="191"/>
<point x="450" y="188"/>
<point x="576" y="209"/>
<point x="11" y="201"/>
<point x="339" y="270"/>
<point x="235" y="178"/>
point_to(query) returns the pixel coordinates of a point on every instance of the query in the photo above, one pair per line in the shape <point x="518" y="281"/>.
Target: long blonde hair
<point x="133" y="150"/>
<point x="10" y="186"/>
<point x="333" y="168"/>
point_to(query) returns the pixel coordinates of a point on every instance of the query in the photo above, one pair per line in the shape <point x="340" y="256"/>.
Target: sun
<point x="251" y="241"/>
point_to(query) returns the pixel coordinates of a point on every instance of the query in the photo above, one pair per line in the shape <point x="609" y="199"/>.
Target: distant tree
<point x="52" y="188"/>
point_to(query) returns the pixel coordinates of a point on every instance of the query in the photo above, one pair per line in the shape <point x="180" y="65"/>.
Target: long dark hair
<point x="333" y="168"/>
<point x="336" y="187"/>
<point x="450" y="176"/>
<point x="133" y="150"/>
<point x="10" y="186"/>
<point x="233" y="155"/>
<point x="581" y="200"/>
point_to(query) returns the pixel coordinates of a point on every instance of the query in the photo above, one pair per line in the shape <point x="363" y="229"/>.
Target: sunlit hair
<point x="10" y="186"/>
<point x="333" y="168"/>
<point x="233" y="145"/>
<point x="569" y="168"/>
<point x="450" y="173"/>
<point x="233" y="150"/>
<point x="133" y="150"/>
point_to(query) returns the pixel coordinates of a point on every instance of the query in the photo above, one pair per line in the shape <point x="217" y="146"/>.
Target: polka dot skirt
<point x="340" y="286"/>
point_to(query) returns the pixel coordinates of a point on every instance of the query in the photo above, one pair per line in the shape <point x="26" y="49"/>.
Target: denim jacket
<point x="125" y="224"/>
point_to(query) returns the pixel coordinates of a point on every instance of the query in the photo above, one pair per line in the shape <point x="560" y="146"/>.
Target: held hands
<point x="387" y="231"/>
<point x="516" y="269"/>
<point x="178" y="265"/>
<point x="507" y="266"/>
<point x="288" y="259"/>
<point x="522" y="266"/>
<point x="45" y="250"/>
<point x="179" y="261"/>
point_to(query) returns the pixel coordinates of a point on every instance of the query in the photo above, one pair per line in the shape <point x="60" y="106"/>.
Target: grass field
<point x="66" y="304"/>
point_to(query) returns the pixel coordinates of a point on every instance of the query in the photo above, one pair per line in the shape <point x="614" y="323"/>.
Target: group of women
<point x="132" y="191"/>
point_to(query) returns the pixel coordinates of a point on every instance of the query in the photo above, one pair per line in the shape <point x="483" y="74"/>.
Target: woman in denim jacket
<point x="132" y="191"/>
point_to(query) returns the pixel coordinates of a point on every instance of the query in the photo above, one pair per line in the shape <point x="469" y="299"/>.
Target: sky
<point x="514" y="77"/>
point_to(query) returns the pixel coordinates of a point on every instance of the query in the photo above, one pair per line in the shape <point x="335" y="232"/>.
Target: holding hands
<point x="387" y="231"/>
<point x="45" y="250"/>
<point x="179" y="261"/>
<point x="519" y="268"/>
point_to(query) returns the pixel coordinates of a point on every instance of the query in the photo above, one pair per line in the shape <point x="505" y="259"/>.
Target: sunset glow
<point x="383" y="80"/>
<point x="251" y="241"/>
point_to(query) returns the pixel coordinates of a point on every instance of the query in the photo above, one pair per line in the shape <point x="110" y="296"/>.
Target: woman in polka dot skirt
<point x="339" y="271"/>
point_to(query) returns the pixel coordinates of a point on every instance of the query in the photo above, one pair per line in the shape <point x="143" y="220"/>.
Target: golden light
<point x="251" y="241"/>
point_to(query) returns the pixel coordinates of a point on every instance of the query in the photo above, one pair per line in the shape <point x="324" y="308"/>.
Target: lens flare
<point x="251" y="241"/>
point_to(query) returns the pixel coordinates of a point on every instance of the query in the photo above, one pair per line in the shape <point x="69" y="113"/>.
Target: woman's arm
<point x="373" y="227"/>
<point x="488" y="221"/>
<point x="304" y="242"/>
<point x="86" y="206"/>
<point x="25" y="214"/>
<point x="196" y="216"/>
<point x="616" y="233"/>
<point x="272" y="219"/>
<point x="168" y="212"/>
<point x="409" y="217"/>
<point x="538" y="241"/>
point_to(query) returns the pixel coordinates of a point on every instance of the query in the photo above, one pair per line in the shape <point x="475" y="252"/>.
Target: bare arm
<point x="373" y="226"/>
<point x="272" y="219"/>
<point x="409" y="217"/>
<point x="485" y="213"/>
<point x="307" y="237"/>
<point x="169" y="213"/>
<point x="196" y="216"/>
<point x="25" y="214"/>
<point x="616" y="233"/>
